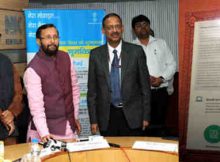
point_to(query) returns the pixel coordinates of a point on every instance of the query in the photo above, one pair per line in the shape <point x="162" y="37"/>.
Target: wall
<point x="163" y="15"/>
<point x="185" y="58"/>
<point x="17" y="5"/>
<point x="12" y="28"/>
<point x="192" y="6"/>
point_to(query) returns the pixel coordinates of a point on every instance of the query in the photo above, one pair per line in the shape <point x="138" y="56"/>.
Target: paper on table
<point x="87" y="145"/>
<point x="158" y="146"/>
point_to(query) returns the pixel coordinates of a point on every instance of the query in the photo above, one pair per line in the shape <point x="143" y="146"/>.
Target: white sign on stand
<point x="204" y="107"/>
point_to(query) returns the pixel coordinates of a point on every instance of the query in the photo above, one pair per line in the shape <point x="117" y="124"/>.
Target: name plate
<point x="156" y="146"/>
<point x="87" y="145"/>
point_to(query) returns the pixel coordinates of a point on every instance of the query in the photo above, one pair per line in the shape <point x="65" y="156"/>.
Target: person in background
<point x="170" y="88"/>
<point x="118" y="84"/>
<point x="52" y="90"/>
<point x="162" y="67"/>
<point x="10" y="100"/>
<point x="151" y="32"/>
<point x="23" y="119"/>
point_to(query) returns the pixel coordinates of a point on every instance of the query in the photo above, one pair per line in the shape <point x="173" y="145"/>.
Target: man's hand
<point x="145" y="124"/>
<point x="1" y="115"/>
<point x="46" y="138"/>
<point x="7" y="117"/>
<point x="78" y="127"/>
<point x="155" y="81"/>
<point x="94" y="128"/>
<point x="10" y="127"/>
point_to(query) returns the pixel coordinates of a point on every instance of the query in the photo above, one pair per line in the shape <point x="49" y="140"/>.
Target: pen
<point x="82" y="139"/>
<point x="114" y="145"/>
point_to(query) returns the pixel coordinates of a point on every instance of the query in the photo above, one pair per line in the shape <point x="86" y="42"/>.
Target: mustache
<point x="115" y="34"/>
<point x="51" y="45"/>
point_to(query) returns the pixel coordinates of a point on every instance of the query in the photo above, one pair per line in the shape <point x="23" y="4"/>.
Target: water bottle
<point x="35" y="150"/>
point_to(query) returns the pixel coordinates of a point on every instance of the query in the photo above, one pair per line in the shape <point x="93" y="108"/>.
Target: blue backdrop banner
<point x="79" y="31"/>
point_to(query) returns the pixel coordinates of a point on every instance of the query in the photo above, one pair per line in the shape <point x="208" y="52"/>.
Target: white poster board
<point x="203" y="131"/>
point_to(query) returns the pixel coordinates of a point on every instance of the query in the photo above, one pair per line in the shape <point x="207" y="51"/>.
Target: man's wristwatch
<point x="162" y="78"/>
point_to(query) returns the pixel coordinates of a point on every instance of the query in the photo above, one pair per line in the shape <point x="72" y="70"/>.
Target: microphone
<point x="54" y="145"/>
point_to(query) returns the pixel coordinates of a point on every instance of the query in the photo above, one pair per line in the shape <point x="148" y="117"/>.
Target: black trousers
<point x="118" y="125"/>
<point x="159" y="103"/>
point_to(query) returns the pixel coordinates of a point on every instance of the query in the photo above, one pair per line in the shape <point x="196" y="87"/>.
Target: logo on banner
<point x="212" y="134"/>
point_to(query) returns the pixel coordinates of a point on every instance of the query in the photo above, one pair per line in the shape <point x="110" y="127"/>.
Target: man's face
<point x="49" y="41"/>
<point x="142" y="29"/>
<point x="113" y="30"/>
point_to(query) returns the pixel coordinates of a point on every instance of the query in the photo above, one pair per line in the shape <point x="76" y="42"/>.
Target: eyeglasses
<point x="48" y="38"/>
<point x="112" y="27"/>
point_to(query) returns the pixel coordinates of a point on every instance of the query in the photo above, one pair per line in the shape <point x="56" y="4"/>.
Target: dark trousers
<point x="10" y="141"/>
<point x="118" y="125"/>
<point x="159" y="103"/>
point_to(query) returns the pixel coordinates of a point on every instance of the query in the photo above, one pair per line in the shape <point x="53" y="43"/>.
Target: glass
<point x="48" y="38"/>
<point x="112" y="27"/>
